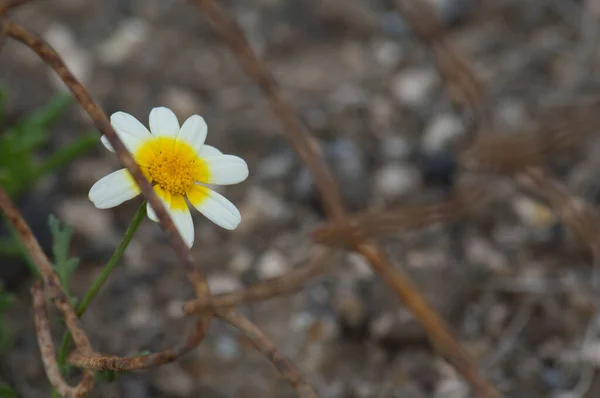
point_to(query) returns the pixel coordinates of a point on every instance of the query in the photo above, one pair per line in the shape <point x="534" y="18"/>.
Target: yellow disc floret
<point x="172" y="165"/>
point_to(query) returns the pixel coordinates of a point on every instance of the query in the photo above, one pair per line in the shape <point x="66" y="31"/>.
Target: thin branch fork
<point x="298" y="136"/>
<point x="84" y="356"/>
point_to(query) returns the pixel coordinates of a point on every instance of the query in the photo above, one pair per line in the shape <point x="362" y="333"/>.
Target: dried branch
<point x="300" y="140"/>
<point x="406" y="218"/>
<point x="9" y="4"/>
<point x="265" y="346"/>
<point x="42" y="327"/>
<point x="101" y="362"/>
<point x="265" y="289"/>
<point x="51" y="281"/>
<point x="53" y="59"/>
<point x="464" y="88"/>
<point x="83" y="356"/>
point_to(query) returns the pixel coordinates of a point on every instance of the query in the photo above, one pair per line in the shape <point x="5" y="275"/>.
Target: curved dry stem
<point x="44" y="336"/>
<point x="300" y="140"/>
<point x="265" y="289"/>
<point x="262" y="343"/>
<point x="101" y="362"/>
<point x="406" y="218"/>
<point x="463" y="87"/>
<point x="51" y="281"/>
<point x="6" y="5"/>
<point x="294" y="127"/>
<point x="53" y="59"/>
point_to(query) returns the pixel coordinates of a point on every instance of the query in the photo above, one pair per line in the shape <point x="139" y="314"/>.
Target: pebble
<point x="394" y="148"/>
<point x="276" y="166"/>
<point x="174" y="380"/>
<point x="347" y="163"/>
<point x="241" y="261"/>
<point x="396" y="180"/>
<point x="532" y="213"/>
<point x="272" y="264"/>
<point x="77" y="59"/>
<point x="413" y="87"/>
<point x="85" y="219"/>
<point x="387" y="53"/>
<point x="440" y="132"/>
<point x="126" y="40"/>
<point x="347" y="95"/>
<point x="262" y="206"/>
<point x="223" y="283"/>
<point x="181" y="101"/>
<point x="451" y="388"/>
<point x="227" y="347"/>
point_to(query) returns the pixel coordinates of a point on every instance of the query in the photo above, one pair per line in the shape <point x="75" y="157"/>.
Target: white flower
<point x="178" y="164"/>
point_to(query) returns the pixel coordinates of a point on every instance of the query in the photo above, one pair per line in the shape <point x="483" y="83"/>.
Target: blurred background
<point x="510" y="279"/>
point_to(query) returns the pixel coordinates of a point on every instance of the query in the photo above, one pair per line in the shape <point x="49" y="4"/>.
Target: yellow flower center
<point x="170" y="164"/>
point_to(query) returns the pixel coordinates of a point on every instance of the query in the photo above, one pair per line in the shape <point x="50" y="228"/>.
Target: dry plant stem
<point x="437" y="330"/>
<point x="300" y="139"/>
<point x="82" y="356"/>
<point x="406" y="218"/>
<point x="102" y="362"/>
<point x="578" y="215"/>
<point x="262" y="343"/>
<point x="263" y="290"/>
<point x="42" y="326"/>
<point x="462" y="85"/>
<point x="6" y="5"/>
<point x="52" y="59"/>
<point x="297" y="133"/>
<point x="51" y="281"/>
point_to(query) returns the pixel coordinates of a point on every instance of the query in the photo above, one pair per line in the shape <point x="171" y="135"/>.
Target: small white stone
<point x="261" y="205"/>
<point x="360" y="266"/>
<point x="533" y="213"/>
<point x="451" y="388"/>
<point x="413" y="87"/>
<point x="440" y="132"/>
<point x="241" y="261"/>
<point x="125" y="40"/>
<point x="396" y="180"/>
<point x="175" y="309"/>
<point x="85" y="219"/>
<point x="394" y="148"/>
<point x="174" y="380"/>
<point x="272" y="264"/>
<point x="183" y="102"/>
<point x="388" y="53"/>
<point x="590" y="353"/>
<point x="77" y="59"/>
<point x="223" y="283"/>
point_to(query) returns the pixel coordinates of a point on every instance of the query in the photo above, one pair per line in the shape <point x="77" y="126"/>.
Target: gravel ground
<point x="510" y="279"/>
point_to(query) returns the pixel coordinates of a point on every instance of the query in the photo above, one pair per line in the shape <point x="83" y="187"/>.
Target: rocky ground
<point x="510" y="279"/>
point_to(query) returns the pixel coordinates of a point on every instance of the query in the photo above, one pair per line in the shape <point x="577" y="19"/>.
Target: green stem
<point x="93" y="290"/>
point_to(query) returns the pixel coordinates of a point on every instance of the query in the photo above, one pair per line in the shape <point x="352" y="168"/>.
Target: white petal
<point x="113" y="189"/>
<point x="182" y="219"/>
<point x="165" y="197"/>
<point x="208" y="150"/>
<point x="226" y="170"/>
<point x="151" y="213"/>
<point x="106" y="144"/>
<point x="163" y="122"/>
<point x="193" y="132"/>
<point x="130" y="130"/>
<point x="215" y="207"/>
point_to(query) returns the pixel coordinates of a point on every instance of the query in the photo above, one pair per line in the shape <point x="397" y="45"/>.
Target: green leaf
<point x="61" y="241"/>
<point x="7" y="392"/>
<point x="45" y="116"/>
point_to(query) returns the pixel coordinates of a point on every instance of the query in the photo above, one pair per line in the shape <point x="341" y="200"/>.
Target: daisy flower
<point x="179" y="166"/>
